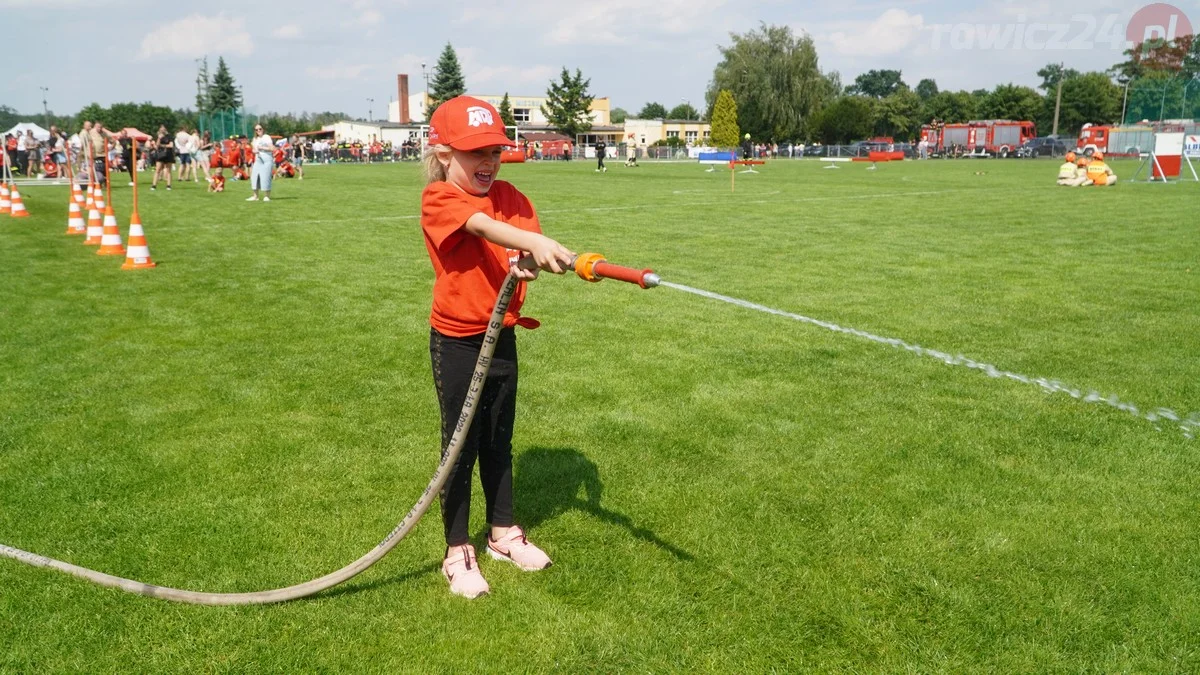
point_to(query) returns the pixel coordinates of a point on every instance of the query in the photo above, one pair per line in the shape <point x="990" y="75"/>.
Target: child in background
<point x="216" y="182"/>
<point x="476" y="229"/>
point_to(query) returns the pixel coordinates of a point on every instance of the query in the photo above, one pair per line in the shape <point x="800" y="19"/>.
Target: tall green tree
<point x="568" y="104"/>
<point x="223" y="94"/>
<point x="1011" y="102"/>
<point x="652" y="111"/>
<point x="951" y="107"/>
<point x="683" y="111"/>
<point x="1051" y="73"/>
<point x="927" y="89"/>
<point x="877" y="84"/>
<point x="775" y="78"/>
<point x="847" y="119"/>
<point x="8" y="117"/>
<point x="506" y="115"/>
<point x="1090" y="97"/>
<point x="448" y="81"/>
<point x="898" y="115"/>
<point x="618" y="115"/>
<point x="724" y="121"/>
<point x="203" y="82"/>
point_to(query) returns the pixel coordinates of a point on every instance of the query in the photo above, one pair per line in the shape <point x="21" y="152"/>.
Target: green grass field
<point x="721" y="489"/>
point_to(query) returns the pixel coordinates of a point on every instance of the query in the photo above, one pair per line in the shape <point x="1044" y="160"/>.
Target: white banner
<point x="1191" y="146"/>
<point x="1168" y="144"/>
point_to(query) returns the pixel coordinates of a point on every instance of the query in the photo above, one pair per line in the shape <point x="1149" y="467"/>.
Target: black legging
<point x="599" y="159"/>
<point x="490" y="437"/>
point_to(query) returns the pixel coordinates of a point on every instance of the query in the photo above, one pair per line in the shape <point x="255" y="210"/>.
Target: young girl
<point x="476" y="229"/>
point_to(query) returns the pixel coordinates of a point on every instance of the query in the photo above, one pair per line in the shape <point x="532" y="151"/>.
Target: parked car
<point x="1042" y="146"/>
<point x="816" y="150"/>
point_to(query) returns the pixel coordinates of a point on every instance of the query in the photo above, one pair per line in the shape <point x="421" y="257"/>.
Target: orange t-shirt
<point x="470" y="270"/>
<point x="218" y="183"/>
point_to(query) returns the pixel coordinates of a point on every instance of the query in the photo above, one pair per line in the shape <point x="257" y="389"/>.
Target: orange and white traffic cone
<point x="75" y="223"/>
<point x="110" y="240"/>
<point x="18" y="206"/>
<point x="5" y="201"/>
<point x="90" y="203"/>
<point x="76" y="194"/>
<point x="95" y="227"/>
<point x="99" y="198"/>
<point x="138" y="255"/>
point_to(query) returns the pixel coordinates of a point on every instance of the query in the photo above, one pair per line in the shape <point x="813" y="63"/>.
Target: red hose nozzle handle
<point x="593" y="267"/>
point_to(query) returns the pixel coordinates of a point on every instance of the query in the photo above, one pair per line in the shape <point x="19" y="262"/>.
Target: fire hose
<point x="588" y="266"/>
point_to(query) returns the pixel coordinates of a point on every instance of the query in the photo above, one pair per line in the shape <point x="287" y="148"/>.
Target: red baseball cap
<point x="467" y="123"/>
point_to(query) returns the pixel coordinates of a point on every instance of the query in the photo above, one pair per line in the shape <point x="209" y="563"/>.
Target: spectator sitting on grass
<point x="216" y="182"/>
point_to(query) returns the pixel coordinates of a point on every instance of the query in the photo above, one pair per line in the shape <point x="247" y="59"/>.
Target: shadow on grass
<point x="350" y="588"/>
<point x="550" y="480"/>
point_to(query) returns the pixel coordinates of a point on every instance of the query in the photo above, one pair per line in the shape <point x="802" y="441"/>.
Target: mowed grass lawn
<point x="721" y="489"/>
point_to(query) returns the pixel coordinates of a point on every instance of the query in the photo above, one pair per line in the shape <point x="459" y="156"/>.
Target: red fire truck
<point x="978" y="138"/>
<point x="1128" y="140"/>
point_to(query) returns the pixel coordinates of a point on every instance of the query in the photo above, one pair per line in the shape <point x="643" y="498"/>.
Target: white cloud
<point x="484" y="75"/>
<point x="338" y="71"/>
<point x="892" y="32"/>
<point x="198" y="35"/>
<point x="365" y="18"/>
<point x="622" y="21"/>
<point x="289" y="31"/>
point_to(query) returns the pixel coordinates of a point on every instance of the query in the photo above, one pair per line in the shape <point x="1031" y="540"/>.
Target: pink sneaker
<point x="515" y="548"/>
<point x="462" y="571"/>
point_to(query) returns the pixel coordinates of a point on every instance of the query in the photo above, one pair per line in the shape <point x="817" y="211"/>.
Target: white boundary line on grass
<point x="1189" y="425"/>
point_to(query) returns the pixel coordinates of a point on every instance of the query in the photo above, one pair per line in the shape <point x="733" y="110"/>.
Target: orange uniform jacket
<point x="1098" y="172"/>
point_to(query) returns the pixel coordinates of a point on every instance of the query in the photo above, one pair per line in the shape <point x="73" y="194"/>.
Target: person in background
<point x="24" y="142"/>
<point x="203" y="155"/>
<point x="164" y="158"/>
<point x="747" y="148"/>
<point x="183" y="148"/>
<point x="601" y="149"/>
<point x="99" y="138"/>
<point x="216" y="182"/>
<point x="1070" y="175"/>
<point x="1099" y="173"/>
<point x="127" y="143"/>
<point x="298" y="156"/>
<point x="58" y="148"/>
<point x="264" y="164"/>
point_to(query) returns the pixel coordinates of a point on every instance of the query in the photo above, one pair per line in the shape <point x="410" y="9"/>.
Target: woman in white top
<point x="264" y="164"/>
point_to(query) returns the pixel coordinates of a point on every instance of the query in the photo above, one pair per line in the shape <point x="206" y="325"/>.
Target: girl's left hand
<point x="523" y="274"/>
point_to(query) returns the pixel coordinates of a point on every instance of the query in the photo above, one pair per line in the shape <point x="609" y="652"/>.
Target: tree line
<point x="777" y="92"/>
<point x="783" y="95"/>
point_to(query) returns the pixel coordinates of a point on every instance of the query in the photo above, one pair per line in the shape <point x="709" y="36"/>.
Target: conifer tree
<point x="725" y="130"/>
<point x="568" y="104"/>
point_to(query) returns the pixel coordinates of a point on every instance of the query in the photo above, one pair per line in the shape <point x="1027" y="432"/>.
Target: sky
<point x="305" y="55"/>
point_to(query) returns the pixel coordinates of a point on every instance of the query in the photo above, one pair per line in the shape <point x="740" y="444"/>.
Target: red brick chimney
<point x="402" y="86"/>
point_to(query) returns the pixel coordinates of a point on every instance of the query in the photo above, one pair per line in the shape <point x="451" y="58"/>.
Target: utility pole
<point x="45" y="110"/>
<point x="1124" y="101"/>
<point x="1058" y="100"/>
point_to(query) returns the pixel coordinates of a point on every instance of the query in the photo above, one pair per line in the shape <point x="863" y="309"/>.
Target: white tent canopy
<point x="38" y="132"/>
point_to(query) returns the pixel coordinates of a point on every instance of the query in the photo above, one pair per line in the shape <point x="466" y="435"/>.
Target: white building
<point x="527" y="110"/>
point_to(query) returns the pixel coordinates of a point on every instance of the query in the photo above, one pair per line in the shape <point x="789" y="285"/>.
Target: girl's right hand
<point x="551" y="255"/>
